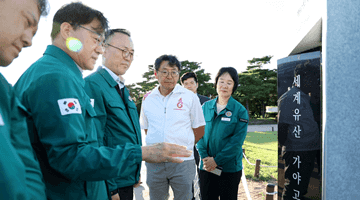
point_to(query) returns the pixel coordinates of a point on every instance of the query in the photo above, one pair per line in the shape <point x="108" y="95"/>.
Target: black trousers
<point x="126" y="193"/>
<point x="297" y="175"/>
<point x="225" y="186"/>
<point x="197" y="162"/>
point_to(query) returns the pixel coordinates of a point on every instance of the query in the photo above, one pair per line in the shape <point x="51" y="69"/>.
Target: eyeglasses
<point x="173" y="73"/>
<point x="99" y="40"/>
<point x="125" y="52"/>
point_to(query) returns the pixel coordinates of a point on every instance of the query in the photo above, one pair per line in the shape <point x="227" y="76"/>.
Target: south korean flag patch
<point x="69" y="106"/>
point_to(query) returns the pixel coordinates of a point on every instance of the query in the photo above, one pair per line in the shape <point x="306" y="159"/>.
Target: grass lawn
<point x="263" y="146"/>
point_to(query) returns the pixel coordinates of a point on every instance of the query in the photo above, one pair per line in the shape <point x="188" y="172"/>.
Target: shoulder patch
<point x="69" y="106"/>
<point x="147" y="94"/>
<point x="243" y="120"/>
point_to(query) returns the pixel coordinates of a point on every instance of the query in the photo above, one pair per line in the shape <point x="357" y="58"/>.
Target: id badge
<point x="217" y="171"/>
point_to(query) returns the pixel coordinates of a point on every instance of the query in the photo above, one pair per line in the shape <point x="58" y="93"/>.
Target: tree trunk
<point x="247" y="107"/>
<point x="263" y="110"/>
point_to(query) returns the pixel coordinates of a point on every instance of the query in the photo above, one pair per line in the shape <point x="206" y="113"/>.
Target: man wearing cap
<point x="61" y="122"/>
<point x="20" y="174"/>
<point x="117" y="120"/>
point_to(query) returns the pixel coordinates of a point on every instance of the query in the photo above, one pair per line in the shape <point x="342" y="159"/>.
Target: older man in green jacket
<point x="117" y="119"/>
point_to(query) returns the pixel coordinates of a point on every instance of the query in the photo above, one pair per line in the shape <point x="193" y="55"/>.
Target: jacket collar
<point x="229" y="107"/>
<point x="177" y="89"/>
<point x="61" y="55"/>
<point x="110" y="80"/>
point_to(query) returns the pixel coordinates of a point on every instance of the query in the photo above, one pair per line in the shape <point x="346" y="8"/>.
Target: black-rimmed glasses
<point x="99" y="39"/>
<point x="125" y="52"/>
<point x="173" y="73"/>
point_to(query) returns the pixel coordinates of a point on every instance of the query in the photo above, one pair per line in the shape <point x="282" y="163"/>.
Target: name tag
<point x="225" y="119"/>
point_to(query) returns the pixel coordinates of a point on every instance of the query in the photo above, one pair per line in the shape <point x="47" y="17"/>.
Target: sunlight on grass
<point x="263" y="146"/>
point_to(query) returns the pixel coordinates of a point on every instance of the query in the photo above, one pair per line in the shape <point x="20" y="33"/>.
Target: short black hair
<point x="76" y="14"/>
<point x="43" y="6"/>
<point x="232" y="72"/>
<point x="173" y="61"/>
<point x="188" y="75"/>
<point x="109" y="33"/>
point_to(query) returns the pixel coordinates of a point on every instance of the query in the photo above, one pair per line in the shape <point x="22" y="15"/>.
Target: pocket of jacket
<point x="229" y="127"/>
<point x="115" y="104"/>
<point x="90" y="110"/>
<point x="90" y="133"/>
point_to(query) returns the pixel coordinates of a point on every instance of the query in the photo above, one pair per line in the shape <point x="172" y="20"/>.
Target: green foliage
<point x="138" y="90"/>
<point x="263" y="146"/>
<point x="258" y="62"/>
<point x="150" y="82"/>
<point x="257" y="87"/>
<point x="204" y="88"/>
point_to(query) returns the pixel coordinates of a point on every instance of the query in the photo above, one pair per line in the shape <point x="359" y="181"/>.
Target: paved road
<point x="267" y="127"/>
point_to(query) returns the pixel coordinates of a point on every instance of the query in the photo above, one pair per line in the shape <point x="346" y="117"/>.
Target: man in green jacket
<point x="61" y="124"/>
<point x="20" y="176"/>
<point x="117" y="120"/>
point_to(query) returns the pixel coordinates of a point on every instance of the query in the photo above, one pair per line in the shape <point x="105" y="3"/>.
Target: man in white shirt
<point x="171" y="113"/>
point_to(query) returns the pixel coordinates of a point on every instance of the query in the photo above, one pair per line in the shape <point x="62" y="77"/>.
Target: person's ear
<point x="65" y="30"/>
<point x="156" y="75"/>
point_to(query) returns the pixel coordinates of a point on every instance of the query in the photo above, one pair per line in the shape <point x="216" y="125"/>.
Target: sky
<point x="212" y="33"/>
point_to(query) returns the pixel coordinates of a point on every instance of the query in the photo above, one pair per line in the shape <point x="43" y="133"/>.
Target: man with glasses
<point x="171" y="113"/>
<point x="116" y="115"/>
<point x="61" y="124"/>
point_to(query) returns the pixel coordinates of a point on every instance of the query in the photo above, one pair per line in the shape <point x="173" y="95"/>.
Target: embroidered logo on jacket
<point x="180" y="104"/>
<point x="243" y="120"/>
<point x="228" y="114"/>
<point x="69" y="106"/>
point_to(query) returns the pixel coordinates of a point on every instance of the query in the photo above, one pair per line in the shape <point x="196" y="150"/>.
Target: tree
<point x="138" y="90"/>
<point x="204" y="88"/>
<point x="246" y="92"/>
<point x="257" y="87"/>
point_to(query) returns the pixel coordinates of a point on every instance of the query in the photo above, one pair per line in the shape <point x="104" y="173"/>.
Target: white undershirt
<point x="220" y="107"/>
